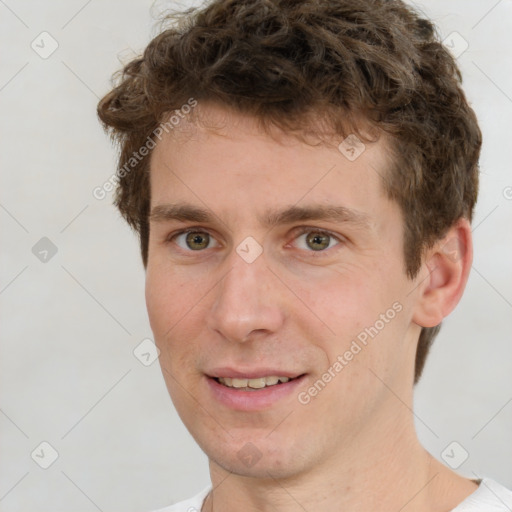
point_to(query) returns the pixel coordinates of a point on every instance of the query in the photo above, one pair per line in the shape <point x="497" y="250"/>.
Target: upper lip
<point x="252" y="373"/>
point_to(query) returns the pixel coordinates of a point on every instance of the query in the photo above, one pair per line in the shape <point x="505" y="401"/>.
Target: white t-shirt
<point x="489" y="497"/>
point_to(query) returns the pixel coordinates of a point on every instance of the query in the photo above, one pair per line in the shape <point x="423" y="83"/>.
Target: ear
<point x="444" y="274"/>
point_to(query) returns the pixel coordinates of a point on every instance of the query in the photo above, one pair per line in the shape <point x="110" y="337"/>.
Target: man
<point x="302" y="176"/>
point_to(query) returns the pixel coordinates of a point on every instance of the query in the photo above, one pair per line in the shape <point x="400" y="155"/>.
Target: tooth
<point x="256" y="383"/>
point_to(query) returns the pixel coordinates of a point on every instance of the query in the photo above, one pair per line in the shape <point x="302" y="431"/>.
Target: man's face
<point x="327" y="301"/>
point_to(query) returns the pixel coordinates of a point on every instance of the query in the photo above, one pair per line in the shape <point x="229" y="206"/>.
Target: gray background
<point x="68" y="375"/>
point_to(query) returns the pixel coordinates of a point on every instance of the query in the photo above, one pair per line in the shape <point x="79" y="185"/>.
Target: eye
<point x="194" y="240"/>
<point x="315" y="240"/>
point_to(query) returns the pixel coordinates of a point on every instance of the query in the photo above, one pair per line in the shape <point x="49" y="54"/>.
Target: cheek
<point x="167" y="311"/>
<point x="341" y="304"/>
<point x="170" y="305"/>
<point x="172" y="320"/>
<point x="177" y="307"/>
<point x="159" y="301"/>
<point x="361" y="321"/>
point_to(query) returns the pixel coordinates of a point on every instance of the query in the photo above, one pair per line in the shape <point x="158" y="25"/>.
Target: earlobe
<point x="444" y="275"/>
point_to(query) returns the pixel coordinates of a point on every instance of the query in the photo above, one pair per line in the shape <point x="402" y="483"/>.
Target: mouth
<point x="245" y="384"/>
<point x="253" y="391"/>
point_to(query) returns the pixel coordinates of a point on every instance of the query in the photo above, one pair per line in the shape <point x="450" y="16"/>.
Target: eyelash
<point x="297" y="232"/>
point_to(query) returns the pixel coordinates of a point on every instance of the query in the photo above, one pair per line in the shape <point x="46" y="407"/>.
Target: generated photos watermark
<point x="357" y="345"/>
<point x="100" y="192"/>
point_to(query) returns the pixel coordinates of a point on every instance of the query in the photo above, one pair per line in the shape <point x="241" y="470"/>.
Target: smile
<point x="252" y="384"/>
<point x="257" y="390"/>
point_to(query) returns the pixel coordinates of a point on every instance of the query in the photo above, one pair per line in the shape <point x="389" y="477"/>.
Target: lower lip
<point x="256" y="400"/>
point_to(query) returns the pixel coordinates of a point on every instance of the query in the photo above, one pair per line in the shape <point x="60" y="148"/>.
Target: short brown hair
<point x="280" y="60"/>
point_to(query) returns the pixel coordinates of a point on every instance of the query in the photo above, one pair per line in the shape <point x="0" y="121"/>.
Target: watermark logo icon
<point x="249" y="455"/>
<point x="454" y="249"/>
<point x="454" y="455"/>
<point x="456" y="44"/>
<point x="44" y="45"/>
<point x="44" y="250"/>
<point x="44" y="455"/>
<point x="146" y="352"/>
<point x="249" y="249"/>
<point x="351" y="147"/>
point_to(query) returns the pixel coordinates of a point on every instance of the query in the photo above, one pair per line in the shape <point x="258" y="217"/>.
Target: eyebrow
<point x="271" y="218"/>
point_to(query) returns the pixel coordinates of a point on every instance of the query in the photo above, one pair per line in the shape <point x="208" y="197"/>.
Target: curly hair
<point x="282" y="60"/>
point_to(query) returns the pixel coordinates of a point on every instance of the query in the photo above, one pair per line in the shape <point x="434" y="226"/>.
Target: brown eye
<point x="197" y="240"/>
<point x="317" y="241"/>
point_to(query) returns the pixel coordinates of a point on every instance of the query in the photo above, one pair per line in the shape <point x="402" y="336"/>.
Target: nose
<point x="247" y="301"/>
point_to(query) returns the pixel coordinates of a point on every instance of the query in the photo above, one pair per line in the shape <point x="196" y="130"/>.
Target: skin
<point x="295" y="309"/>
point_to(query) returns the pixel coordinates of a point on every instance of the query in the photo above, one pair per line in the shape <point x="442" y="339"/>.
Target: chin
<point x="256" y="456"/>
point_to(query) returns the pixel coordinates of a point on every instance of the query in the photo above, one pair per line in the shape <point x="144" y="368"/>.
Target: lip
<point x="255" y="400"/>
<point x="253" y="373"/>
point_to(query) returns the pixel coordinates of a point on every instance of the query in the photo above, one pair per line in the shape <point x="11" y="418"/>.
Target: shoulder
<point x="489" y="497"/>
<point x="191" y="505"/>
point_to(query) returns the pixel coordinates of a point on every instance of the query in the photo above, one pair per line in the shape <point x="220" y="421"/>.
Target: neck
<point x="383" y="468"/>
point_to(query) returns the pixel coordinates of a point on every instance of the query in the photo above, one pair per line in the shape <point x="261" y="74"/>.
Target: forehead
<point x="221" y="158"/>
